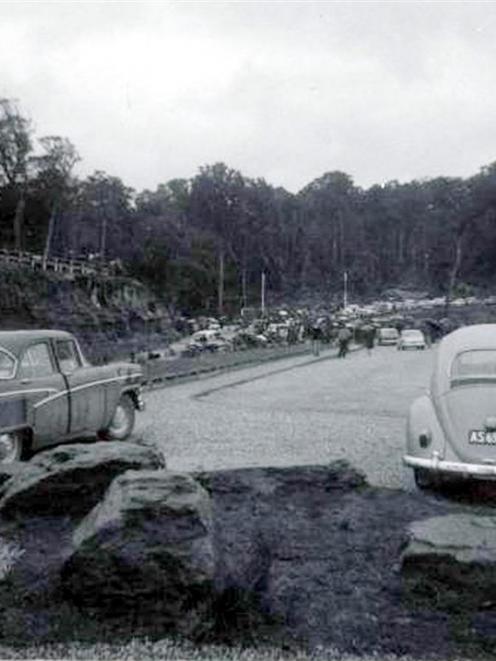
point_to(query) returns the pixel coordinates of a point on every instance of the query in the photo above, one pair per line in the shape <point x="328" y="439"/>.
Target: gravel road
<point x="296" y="411"/>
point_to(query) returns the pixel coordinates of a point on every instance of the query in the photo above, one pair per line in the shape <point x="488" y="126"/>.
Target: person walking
<point x="368" y="338"/>
<point x="316" y="335"/>
<point x="344" y="336"/>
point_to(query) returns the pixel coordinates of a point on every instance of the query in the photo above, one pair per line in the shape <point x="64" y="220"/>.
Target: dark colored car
<point x="49" y="393"/>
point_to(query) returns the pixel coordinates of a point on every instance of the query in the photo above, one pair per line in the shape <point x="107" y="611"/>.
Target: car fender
<point x="135" y="395"/>
<point x="422" y="420"/>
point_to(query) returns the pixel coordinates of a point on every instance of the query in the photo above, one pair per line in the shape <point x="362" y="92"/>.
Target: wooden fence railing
<point x="59" y="264"/>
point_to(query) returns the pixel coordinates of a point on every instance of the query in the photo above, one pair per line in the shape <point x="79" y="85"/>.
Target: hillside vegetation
<point x="203" y="243"/>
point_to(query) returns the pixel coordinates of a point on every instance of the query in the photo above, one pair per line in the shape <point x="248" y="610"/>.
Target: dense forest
<point x="203" y="243"/>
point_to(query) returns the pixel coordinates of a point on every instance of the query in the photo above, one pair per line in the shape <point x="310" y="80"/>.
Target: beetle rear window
<point x="7" y="365"/>
<point x="473" y="364"/>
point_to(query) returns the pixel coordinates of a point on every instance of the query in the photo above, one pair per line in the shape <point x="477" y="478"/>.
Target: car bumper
<point x="140" y="404"/>
<point x="451" y="467"/>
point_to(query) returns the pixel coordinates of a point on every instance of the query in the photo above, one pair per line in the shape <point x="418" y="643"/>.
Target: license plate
<point x="482" y="437"/>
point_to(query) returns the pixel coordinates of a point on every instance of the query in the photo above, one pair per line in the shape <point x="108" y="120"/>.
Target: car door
<point x="86" y="385"/>
<point x="46" y="390"/>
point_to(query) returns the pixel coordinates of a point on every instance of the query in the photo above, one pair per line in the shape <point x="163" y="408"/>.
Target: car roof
<point x="15" y="341"/>
<point x="478" y="336"/>
<point x="467" y="338"/>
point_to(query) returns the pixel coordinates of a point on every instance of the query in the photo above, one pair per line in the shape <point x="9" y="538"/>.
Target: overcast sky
<point x="281" y="90"/>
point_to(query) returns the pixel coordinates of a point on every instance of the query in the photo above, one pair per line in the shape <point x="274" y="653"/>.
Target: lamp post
<point x="262" y="293"/>
<point x="345" y="290"/>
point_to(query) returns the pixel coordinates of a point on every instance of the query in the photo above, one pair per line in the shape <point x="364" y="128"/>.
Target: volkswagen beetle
<point x="452" y="429"/>
<point x="49" y="393"/>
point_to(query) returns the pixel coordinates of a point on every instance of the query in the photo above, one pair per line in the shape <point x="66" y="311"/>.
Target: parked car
<point x="49" y="393"/>
<point x="411" y="338"/>
<point x="452" y="429"/>
<point x="387" y="336"/>
<point x="207" y="340"/>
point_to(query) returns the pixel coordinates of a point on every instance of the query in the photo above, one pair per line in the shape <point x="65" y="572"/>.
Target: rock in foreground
<point x="450" y="562"/>
<point x="146" y="549"/>
<point x="71" y="479"/>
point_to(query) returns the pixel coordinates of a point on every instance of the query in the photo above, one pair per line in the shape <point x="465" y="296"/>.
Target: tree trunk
<point x="49" y="236"/>
<point x="220" y="284"/>
<point x="243" y="287"/>
<point x="453" y="274"/>
<point x="103" y="237"/>
<point x="19" y="222"/>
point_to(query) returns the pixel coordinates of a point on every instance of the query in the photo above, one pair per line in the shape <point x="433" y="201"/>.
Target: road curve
<point x="295" y="411"/>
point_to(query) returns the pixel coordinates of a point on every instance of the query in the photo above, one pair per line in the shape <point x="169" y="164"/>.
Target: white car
<point x="452" y="429"/>
<point x="411" y="339"/>
<point x="387" y="336"/>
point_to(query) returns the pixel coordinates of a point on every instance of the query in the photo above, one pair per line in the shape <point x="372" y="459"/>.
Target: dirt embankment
<point x="111" y="316"/>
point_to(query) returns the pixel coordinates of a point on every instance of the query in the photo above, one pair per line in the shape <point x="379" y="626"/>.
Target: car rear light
<point x="425" y="438"/>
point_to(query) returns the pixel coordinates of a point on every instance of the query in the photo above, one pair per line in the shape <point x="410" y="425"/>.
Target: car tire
<point x="425" y="479"/>
<point x="122" y="423"/>
<point x="12" y="447"/>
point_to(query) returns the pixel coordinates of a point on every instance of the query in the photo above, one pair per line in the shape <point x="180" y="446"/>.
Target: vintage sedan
<point x="411" y="338"/>
<point x="49" y="393"/>
<point x="451" y="431"/>
<point x="387" y="336"/>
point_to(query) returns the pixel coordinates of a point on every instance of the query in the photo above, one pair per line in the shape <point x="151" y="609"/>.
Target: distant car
<point x="411" y="339"/>
<point x="49" y="393"/>
<point x="452" y="429"/>
<point x="387" y="336"/>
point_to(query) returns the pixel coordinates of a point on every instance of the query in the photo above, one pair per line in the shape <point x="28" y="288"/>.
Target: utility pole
<point x="345" y="290"/>
<point x="262" y="293"/>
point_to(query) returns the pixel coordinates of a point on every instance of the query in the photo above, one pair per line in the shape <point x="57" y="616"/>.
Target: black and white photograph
<point x="248" y="330"/>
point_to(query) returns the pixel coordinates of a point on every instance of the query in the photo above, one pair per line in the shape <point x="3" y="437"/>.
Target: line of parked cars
<point x="49" y="393"/>
<point x="410" y="338"/>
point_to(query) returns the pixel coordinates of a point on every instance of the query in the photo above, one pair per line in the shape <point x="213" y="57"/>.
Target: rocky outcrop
<point x="315" y="549"/>
<point x="145" y="549"/>
<point x="263" y="512"/>
<point x="450" y="562"/>
<point x="71" y="479"/>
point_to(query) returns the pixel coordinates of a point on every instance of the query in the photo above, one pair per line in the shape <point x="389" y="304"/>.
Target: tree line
<point x="202" y="243"/>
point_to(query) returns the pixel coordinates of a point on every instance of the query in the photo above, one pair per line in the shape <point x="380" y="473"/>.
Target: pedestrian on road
<point x="316" y="335"/>
<point x="368" y="338"/>
<point x="344" y="336"/>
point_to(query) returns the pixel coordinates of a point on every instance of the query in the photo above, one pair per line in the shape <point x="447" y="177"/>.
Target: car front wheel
<point x="122" y="423"/>
<point x="11" y="447"/>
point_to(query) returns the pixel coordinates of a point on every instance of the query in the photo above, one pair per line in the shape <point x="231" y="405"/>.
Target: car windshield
<point x="7" y="364"/>
<point x="389" y="332"/>
<point x="411" y="333"/>
<point x="474" y="364"/>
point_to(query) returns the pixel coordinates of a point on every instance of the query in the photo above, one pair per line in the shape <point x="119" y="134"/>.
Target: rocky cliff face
<point x="111" y="316"/>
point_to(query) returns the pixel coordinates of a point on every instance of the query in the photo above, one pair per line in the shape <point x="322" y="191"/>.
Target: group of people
<point x="343" y="337"/>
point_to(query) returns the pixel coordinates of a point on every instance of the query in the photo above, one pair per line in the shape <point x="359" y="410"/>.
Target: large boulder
<point x="260" y="513"/>
<point x="71" y="479"/>
<point x="450" y="561"/>
<point x="146" y="550"/>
